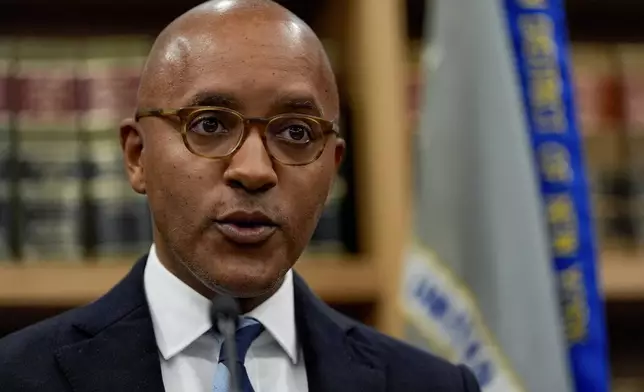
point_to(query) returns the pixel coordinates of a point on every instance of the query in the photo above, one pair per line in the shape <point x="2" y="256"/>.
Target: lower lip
<point x="245" y="235"/>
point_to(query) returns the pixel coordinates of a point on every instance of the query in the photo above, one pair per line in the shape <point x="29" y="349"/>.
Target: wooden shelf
<point x="622" y="275"/>
<point x="65" y="284"/>
<point x="339" y="281"/>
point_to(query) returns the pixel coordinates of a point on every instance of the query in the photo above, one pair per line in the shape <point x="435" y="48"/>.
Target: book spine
<point x="336" y="229"/>
<point x="631" y="59"/>
<point x="598" y="88"/>
<point x="6" y="154"/>
<point x="118" y="218"/>
<point x="48" y="151"/>
<point x="599" y="93"/>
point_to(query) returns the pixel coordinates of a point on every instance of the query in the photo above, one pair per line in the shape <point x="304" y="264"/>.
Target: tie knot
<point x="247" y="331"/>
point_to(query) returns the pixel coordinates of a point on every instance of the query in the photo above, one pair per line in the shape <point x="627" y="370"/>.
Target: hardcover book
<point x="117" y="224"/>
<point x="6" y="154"/>
<point x="48" y="150"/>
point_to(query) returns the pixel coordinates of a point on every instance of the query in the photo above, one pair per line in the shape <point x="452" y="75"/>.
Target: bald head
<point x="234" y="37"/>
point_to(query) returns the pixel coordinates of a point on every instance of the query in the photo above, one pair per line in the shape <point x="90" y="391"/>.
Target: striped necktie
<point x="247" y="331"/>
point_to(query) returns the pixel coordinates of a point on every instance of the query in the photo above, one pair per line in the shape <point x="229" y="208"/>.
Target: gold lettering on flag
<point x="554" y="161"/>
<point x="563" y="225"/>
<point x="574" y="303"/>
<point x="545" y="78"/>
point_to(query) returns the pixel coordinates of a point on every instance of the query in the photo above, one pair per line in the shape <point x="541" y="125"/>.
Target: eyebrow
<point x="208" y="98"/>
<point x="297" y="104"/>
<point x="283" y="103"/>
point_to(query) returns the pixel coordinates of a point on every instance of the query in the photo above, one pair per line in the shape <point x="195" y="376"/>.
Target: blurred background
<point x="70" y="226"/>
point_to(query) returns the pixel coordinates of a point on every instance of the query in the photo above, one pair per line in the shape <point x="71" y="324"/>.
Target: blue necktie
<point x="247" y="331"/>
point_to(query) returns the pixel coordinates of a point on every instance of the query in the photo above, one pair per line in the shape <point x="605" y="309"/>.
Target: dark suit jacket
<point x="109" y="346"/>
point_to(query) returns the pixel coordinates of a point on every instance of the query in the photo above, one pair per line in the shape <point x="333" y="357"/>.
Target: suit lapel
<point x="124" y="357"/>
<point x="336" y="358"/>
<point x="119" y="352"/>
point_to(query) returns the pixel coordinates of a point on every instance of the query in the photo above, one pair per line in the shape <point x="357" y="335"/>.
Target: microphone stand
<point x="224" y="313"/>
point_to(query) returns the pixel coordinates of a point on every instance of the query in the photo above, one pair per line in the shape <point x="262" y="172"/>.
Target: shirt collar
<point x="277" y="315"/>
<point x="180" y="315"/>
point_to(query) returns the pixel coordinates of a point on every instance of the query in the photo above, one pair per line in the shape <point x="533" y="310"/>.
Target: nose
<point x="251" y="168"/>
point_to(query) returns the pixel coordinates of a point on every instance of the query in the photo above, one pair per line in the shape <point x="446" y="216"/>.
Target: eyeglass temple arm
<point x="335" y="128"/>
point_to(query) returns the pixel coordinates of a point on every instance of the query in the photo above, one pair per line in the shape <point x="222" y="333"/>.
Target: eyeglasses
<point x="216" y="132"/>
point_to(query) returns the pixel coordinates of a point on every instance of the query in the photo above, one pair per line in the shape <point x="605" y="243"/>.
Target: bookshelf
<point x="368" y="51"/>
<point x="610" y="31"/>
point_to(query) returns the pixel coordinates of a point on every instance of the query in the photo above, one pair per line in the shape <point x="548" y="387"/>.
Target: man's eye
<point x="207" y="125"/>
<point x="295" y="133"/>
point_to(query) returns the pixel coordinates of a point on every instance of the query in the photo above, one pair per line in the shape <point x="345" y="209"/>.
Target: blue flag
<point x="501" y="273"/>
<point x="541" y="53"/>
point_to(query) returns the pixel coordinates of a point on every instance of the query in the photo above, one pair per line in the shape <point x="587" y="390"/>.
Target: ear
<point x="132" y="145"/>
<point x="340" y="149"/>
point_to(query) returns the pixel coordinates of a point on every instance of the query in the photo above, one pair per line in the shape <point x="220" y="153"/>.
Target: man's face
<point x="238" y="224"/>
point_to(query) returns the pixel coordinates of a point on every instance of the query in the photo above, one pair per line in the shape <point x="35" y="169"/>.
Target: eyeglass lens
<point x="289" y="138"/>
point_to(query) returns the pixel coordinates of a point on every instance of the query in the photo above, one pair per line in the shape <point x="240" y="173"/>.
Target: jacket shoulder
<point x="48" y="335"/>
<point x="410" y="368"/>
<point x="27" y="357"/>
<point x="40" y="332"/>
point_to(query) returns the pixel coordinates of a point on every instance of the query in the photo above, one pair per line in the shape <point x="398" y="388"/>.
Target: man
<point x="235" y="144"/>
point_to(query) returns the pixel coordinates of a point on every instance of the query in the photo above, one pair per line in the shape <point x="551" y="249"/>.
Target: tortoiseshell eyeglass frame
<point x="187" y="114"/>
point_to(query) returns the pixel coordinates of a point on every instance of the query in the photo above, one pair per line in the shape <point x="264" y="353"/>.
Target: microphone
<point x="224" y="314"/>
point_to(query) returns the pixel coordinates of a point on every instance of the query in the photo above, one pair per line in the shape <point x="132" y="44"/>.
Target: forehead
<point x="253" y="60"/>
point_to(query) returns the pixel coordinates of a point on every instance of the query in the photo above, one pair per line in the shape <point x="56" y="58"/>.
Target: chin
<point x="245" y="285"/>
<point x="240" y="276"/>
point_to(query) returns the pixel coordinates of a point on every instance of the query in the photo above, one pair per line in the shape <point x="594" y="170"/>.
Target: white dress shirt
<point x="189" y="351"/>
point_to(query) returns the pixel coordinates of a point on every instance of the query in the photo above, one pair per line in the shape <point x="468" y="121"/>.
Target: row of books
<point x="64" y="195"/>
<point x="609" y="91"/>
